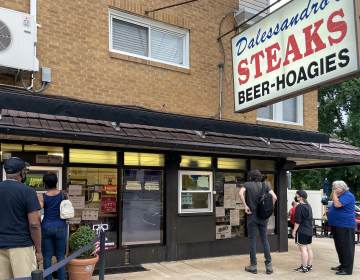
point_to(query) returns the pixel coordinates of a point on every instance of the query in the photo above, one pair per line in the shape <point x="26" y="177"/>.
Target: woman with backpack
<point x="303" y="231"/>
<point x="53" y="228"/>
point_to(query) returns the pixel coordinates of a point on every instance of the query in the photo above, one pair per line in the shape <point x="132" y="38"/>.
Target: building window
<point x="94" y="195"/>
<point x="142" y="206"/>
<point x="195" y="192"/>
<point x="33" y="153"/>
<point x="143" y="159"/>
<point x="289" y="111"/>
<point x="148" y="39"/>
<point x="230" y="211"/>
<point x="92" y="156"/>
<point x="231" y="163"/>
<point x="195" y="162"/>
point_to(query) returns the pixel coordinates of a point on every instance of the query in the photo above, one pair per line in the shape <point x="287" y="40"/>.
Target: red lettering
<point x="243" y="71"/>
<point x="337" y="26"/>
<point x="292" y="49"/>
<point x="256" y="57"/>
<point x="312" y="36"/>
<point x="272" y="57"/>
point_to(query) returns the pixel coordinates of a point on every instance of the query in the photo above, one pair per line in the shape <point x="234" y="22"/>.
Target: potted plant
<point x="82" y="267"/>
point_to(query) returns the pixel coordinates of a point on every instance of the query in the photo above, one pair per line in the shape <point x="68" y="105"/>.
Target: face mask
<point x="296" y="199"/>
<point x="23" y="177"/>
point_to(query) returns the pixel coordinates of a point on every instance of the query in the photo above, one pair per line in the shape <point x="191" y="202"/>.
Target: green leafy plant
<point x="80" y="238"/>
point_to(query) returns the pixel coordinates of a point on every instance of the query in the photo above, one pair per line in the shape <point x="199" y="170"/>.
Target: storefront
<point x="163" y="193"/>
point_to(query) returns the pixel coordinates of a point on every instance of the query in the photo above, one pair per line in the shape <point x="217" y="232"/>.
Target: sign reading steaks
<point x="297" y="48"/>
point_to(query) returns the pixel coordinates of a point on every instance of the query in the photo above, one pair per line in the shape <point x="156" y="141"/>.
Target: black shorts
<point x="302" y="239"/>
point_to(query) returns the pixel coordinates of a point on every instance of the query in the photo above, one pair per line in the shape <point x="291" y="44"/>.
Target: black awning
<point x="15" y="125"/>
<point x="21" y="100"/>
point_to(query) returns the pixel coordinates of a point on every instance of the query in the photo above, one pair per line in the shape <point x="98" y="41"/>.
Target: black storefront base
<point x="193" y="236"/>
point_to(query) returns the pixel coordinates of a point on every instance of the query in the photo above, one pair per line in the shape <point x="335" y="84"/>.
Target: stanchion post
<point x="102" y="256"/>
<point x="37" y="275"/>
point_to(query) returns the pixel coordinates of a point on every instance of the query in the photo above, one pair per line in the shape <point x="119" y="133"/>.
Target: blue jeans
<point x="255" y="224"/>
<point x="54" y="244"/>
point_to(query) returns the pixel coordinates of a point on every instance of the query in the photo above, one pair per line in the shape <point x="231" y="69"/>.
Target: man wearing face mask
<point x="20" y="230"/>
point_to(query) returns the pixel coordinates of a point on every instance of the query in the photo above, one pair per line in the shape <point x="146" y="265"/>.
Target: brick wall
<point x="73" y="42"/>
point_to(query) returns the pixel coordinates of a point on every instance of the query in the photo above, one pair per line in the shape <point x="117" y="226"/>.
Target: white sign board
<point x="300" y="46"/>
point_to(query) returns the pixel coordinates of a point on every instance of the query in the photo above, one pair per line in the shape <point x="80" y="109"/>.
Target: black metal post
<point x="37" y="275"/>
<point x="102" y="256"/>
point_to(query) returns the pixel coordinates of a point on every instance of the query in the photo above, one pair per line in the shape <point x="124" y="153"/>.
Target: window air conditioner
<point x="244" y="14"/>
<point x="17" y="41"/>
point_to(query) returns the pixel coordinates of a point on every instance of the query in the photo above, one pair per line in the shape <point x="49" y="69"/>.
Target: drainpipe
<point x="221" y="89"/>
<point x="33" y="9"/>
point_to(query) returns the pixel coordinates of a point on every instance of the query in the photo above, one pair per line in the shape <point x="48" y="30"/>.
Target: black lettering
<point x="291" y="74"/>
<point x="280" y="81"/>
<point x="321" y="66"/>
<point x="265" y="88"/>
<point x="345" y="59"/>
<point x="249" y="94"/>
<point x="330" y="62"/>
<point x="313" y="70"/>
<point x="241" y="97"/>
<point x="302" y="75"/>
<point x="257" y="92"/>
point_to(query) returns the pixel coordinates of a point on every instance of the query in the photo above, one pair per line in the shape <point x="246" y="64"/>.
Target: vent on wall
<point x="5" y="36"/>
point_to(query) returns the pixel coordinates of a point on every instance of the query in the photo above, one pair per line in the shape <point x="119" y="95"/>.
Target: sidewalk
<point x="230" y="268"/>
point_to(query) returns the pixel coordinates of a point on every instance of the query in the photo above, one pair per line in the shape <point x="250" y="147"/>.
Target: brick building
<point x="138" y="121"/>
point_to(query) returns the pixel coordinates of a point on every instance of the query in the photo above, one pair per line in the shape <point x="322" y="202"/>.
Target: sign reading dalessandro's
<point x="298" y="47"/>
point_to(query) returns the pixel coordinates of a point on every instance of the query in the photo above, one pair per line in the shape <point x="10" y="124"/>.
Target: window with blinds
<point x="148" y="39"/>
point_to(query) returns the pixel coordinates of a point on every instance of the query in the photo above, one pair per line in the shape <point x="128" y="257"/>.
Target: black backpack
<point x="265" y="205"/>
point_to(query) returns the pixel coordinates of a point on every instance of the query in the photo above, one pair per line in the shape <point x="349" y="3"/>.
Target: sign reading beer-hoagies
<point x="300" y="46"/>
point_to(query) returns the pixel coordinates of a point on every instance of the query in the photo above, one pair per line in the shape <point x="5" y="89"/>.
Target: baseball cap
<point x="14" y="165"/>
<point x="302" y="194"/>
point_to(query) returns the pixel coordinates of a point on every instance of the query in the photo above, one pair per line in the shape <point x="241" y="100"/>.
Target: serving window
<point x="230" y="211"/>
<point x="94" y="195"/>
<point x="195" y="192"/>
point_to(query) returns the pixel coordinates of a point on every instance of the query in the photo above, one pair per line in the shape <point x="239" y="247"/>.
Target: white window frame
<point x="278" y="113"/>
<point x="137" y="20"/>
<point x="209" y="192"/>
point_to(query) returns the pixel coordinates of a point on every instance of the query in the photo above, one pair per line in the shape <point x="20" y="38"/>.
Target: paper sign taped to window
<point x="75" y="189"/>
<point x="220" y="211"/>
<point x="90" y="214"/>
<point x="78" y="202"/>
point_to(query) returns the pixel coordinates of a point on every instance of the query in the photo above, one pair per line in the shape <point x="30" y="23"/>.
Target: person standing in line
<point x="341" y="218"/>
<point x="249" y="195"/>
<point x="54" y="229"/>
<point x="292" y="215"/>
<point x="20" y="232"/>
<point x="303" y="231"/>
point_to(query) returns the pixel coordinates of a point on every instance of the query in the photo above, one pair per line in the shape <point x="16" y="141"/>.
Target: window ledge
<point x="149" y="62"/>
<point x="196" y="214"/>
<point x="274" y="122"/>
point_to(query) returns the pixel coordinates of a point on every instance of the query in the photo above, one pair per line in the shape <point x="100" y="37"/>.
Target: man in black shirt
<point x="303" y="231"/>
<point x="249" y="195"/>
<point x="20" y="229"/>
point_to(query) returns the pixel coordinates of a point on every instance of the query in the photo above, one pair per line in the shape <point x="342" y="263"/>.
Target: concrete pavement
<point x="232" y="267"/>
